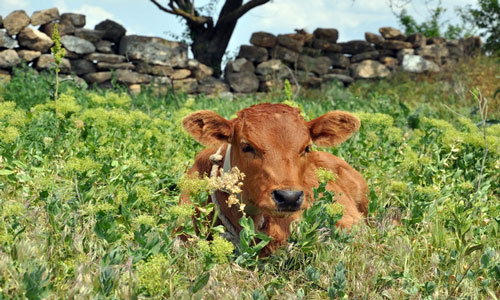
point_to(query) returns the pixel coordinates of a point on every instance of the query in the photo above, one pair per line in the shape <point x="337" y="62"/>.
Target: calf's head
<point x="271" y="144"/>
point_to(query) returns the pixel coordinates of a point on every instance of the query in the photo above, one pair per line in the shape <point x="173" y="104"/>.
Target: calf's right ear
<point x="208" y="128"/>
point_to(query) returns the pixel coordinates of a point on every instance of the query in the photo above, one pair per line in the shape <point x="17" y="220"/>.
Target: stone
<point x="62" y="28"/>
<point x="152" y="50"/>
<point x="455" y="49"/>
<point x="369" y="69"/>
<point x="356" y="46"/>
<point x="112" y="31"/>
<point x="417" y="40"/>
<point x="437" y="40"/>
<point x="90" y="35"/>
<point x="16" y="21"/>
<point x="391" y="33"/>
<point x="117" y="66"/>
<point x="308" y="79"/>
<point x="339" y="60"/>
<point x="288" y="42"/>
<point x="9" y="59"/>
<point x="340" y="72"/>
<point x="319" y="65"/>
<point x="157" y="70"/>
<point x="417" y="64"/>
<point x="134" y="89"/>
<point x="72" y="55"/>
<point x="104" y="46"/>
<point x="76" y="20"/>
<point x="82" y="66"/>
<point x="311" y="52"/>
<point x="1" y="22"/>
<point x="47" y="62"/>
<point x="98" y="77"/>
<point x="104" y="57"/>
<point x="77" y="45"/>
<point x="253" y="53"/>
<point x="5" y="76"/>
<point x="345" y="79"/>
<point x="433" y="52"/>
<point x="403" y="52"/>
<point x="326" y="46"/>
<point x="71" y="77"/>
<point x="189" y="85"/>
<point x="388" y="52"/>
<point x="240" y="65"/>
<point x="328" y="34"/>
<point x="29" y="55"/>
<point x="211" y="85"/>
<point x="472" y="45"/>
<point x="396" y="44"/>
<point x="127" y="76"/>
<point x="34" y="39"/>
<point x="364" y="56"/>
<point x="202" y="71"/>
<point x="263" y="39"/>
<point x="6" y="41"/>
<point x="373" y="38"/>
<point x="273" y="68"/>
<point x="45" y="16"/>
<point x="245" y="82"/>
<point x="284" y="54"/>
<point x="389" y="62"/>
<point x="180" y="74"/>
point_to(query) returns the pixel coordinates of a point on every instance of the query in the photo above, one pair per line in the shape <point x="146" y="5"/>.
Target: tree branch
<point x="238" y="13"/>
<point x="192" y="17"/>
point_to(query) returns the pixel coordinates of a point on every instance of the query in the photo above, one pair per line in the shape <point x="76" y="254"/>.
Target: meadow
<point x="89" y="186"/>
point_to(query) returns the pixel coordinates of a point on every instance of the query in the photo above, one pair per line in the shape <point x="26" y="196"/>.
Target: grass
<point x="88" y="196"/>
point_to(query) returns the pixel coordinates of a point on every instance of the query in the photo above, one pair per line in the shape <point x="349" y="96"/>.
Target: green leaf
<point x="200" y="282"/>
<point x="5" y="172"/>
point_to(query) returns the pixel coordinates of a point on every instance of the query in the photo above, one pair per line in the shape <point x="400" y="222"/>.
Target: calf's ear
<point x="208" y="128"/>
<point x="333" y="128"/>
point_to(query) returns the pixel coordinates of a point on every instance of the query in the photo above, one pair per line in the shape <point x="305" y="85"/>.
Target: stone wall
<point x="96" y="55"/>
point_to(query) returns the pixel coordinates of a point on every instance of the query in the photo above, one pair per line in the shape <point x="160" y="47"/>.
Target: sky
<point x="142" y="17"/>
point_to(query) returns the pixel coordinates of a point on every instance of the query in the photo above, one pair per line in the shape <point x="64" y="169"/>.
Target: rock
<point x="288" y="42"/>
<point x="273" y="68"/>
<point x="45" y="16"/>
<point x="98" y="77"/>
<point x="90" y="35"/>
<point x="71" y="77"/>
<point x="29" y="55"/>
<point x="326" y="46"/>
<point x="472" y="45"/>
<point x="72" y="55"/>
<point x="318" y="65"/>
<point x="47" y="62"/>
<point x="312" y="52"/>
<point x="211" y="85"/>
<point x="364" y="56"/>
<point x="127" y="76"/>
<point x="369" y="69"/>
<point x="104" y="46"/>
<point x="346" y="80"/>
<point x="308" y="79"/>
<point x="202" y="71"/>
<point x="270" y="85"/>
<point x="339" y="60"/>
<point x="6" y="41"/>
<point x="34" y="40"/>
<point x="284" y="54"/>
<point x="417" y="64"/>
<point x="82" y="66"/>
<point x="75" y="20"/>
<point x="417" y="40"/>
<point x="16" y="21"/>
<point x="157" y="70"/>
<point x="109" y="66"/>
<point x="387" y="52"/>
<point x="161" y="85"/>
<point x="391" y="33"/>
<point x="103" y="57"/>
<point x="189" y="85"/>
<point x="180" y="74"/>
<point x="77" y="45"/>
<point x="112" y="30"/>
<point x="263" y="39"/>
<point x="63" y="28"/>
<point x="245" y="82"/>
<point x="9" y="59"/>
<point x="396" y="44"/>
<point x="5" y="76"/>
<point x="433" y="52"/>
<point x="134" y="89"/>
<point x="403" y="52"/>
<point x="455" y="49"/>
<point x="373" y="38"/>
<point x="340" y="72"/>
<point x="1" y="22"/>
<point x="440" y="41"/>
<point x="328" y="34"/>
<point x="356" y="46"/>
<point x="389" y="62"/>
<point x="253" y="53"/>
<point x="240" y="65"/>
<point x="152" y="50"/>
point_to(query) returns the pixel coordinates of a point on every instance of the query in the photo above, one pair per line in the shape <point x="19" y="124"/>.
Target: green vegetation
<point x="486" y="17"/>
<point x="88" y="196"/>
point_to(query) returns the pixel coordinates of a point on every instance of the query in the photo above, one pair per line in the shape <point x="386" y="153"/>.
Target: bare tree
<point x="209" y="41"/>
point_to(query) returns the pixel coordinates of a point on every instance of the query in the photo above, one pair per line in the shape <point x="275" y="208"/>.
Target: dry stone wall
<point x="94" y="56"/>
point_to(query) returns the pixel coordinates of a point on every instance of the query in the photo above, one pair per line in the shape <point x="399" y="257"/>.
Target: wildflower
<point x="189" y="102"/>
<point x="399" y="187"/>
<point x="82" y="165"/>
<point x="181" y="211"/>
<point x="154" y="275"/>
<point x="13" y="209"/>
<point x="144" y="220"/>
<point x="231" y="183"/>
<point x="221" y="248"/>
<point x="334" y="209"/>
<point x="47" y="141"/>
<point x="375" y="119"/>
<point x="194" y="185"/>
<point x="67" y="104"/>
<point x="79" y="124"/>
<point x="325" y="175"/>
<point x="8" y="134"/>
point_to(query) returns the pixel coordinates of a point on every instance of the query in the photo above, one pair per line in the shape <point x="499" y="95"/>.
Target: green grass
<point x="88" y="197"/>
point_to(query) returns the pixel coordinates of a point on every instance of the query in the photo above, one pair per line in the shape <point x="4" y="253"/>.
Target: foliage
<point x="58" y="51"/>
<point x="486" y="17"/>
<point x="89" y="197"/>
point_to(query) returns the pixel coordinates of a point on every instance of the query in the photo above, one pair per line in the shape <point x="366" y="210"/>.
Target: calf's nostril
<point x="288" y="198"/>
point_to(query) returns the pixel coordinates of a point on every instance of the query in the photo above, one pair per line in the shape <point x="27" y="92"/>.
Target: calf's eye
<point x="307" y="149"/>
<point x="248" y="149"/>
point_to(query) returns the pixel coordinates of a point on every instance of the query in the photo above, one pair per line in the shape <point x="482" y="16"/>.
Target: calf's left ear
<point x="208" y="128"/>
<point x="333" y="128"/>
